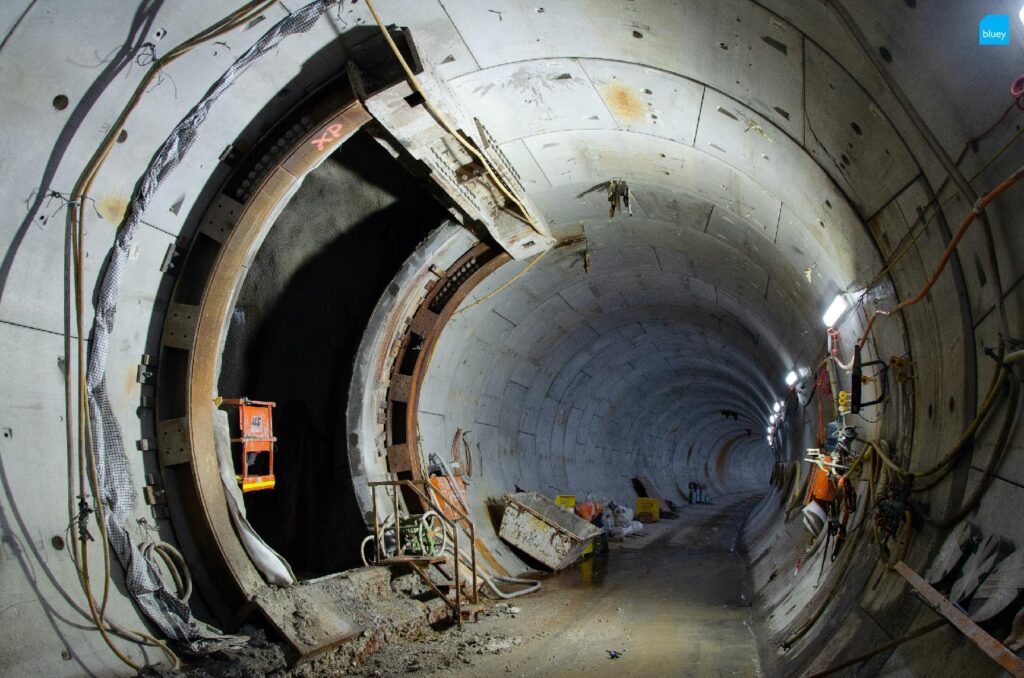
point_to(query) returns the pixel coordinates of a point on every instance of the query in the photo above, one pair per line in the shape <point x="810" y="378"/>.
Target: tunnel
<point x="743" y="277"/>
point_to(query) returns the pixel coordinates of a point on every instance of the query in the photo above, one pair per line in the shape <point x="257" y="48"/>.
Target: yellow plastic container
<point x="648" y="510"/>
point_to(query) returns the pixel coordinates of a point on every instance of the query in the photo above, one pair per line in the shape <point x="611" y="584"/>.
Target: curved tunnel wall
<point x="819" y="81"/>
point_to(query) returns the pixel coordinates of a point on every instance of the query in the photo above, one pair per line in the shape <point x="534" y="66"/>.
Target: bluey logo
<point x="994" y="29"/>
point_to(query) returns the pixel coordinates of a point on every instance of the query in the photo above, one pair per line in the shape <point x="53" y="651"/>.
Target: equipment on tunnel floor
<point x="421" y="542"/>
<point x="647" y="510"/>
<point x="255" y="421"/>
<point x="544" y="530"/>
<point x="698" y="493"/>
<point x="593" y="512"/>
<point x="622" y="523"/>
<point x="645" y="488"/>
<point x="420" y="535"/>
<point x="566" y="501"/>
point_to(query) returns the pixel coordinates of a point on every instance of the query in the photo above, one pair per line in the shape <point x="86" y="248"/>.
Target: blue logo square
<point x="994" y="29"/>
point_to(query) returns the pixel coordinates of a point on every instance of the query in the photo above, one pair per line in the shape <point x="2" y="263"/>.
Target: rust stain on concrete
<point x="623" y="103"/>
<point x="112" y="207"/>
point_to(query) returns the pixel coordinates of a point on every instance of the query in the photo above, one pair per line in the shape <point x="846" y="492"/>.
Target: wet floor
<point x="672" y="602"/>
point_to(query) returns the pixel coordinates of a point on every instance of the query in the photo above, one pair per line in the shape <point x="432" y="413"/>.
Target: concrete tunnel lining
<point x="576" y="380"/>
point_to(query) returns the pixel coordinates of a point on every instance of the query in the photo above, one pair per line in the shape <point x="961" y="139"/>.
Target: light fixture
<point x="771" y="430"/>
<point x="1022" y="14"/>
<point x="770" y="441"/>
<point x="791" y="378"/>
<point x="835" y="310"/>
<point x="777" y="406"/>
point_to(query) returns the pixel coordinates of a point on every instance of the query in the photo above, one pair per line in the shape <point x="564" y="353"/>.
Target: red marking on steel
<point x="330" y="134"/>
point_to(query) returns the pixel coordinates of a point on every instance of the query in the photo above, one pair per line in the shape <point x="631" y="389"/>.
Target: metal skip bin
<point x="545" y="530"/>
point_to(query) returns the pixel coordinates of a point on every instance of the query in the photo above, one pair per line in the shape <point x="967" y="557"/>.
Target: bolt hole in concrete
<point x="296" y="327"/>
<point x="60" y="102"/>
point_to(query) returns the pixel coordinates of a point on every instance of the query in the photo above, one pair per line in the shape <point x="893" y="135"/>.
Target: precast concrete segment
<point x="779" y="70"/>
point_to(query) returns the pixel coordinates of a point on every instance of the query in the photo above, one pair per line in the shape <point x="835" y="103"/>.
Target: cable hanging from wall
<point x="98" y="445"/>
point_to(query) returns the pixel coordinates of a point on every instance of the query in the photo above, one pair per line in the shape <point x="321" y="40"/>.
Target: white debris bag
<point x="274" y="568"/>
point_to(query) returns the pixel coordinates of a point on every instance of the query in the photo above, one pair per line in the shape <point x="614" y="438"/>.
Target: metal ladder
<point x="422" y="564"/>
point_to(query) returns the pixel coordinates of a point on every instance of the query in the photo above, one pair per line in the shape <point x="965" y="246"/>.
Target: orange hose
<point x="982" y="203"/>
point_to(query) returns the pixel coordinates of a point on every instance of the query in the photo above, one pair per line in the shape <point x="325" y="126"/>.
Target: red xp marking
<point x="330" y="134"/>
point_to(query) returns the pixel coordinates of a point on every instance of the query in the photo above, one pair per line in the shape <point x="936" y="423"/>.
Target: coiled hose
<point x="489" y="577"/>
<point x="176" y="566"/>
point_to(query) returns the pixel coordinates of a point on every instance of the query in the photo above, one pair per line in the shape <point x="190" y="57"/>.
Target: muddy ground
<point x="672" y="600"/>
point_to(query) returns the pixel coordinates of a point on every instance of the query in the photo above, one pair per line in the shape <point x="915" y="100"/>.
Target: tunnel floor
<point x="674" y="601"/>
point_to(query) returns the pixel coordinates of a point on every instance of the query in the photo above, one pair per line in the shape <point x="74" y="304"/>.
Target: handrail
<point x="412" y="485"/>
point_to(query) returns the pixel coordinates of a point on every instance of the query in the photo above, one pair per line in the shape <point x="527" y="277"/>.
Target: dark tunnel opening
<point x="294" y="332"/>
<point x="624" y="258"/>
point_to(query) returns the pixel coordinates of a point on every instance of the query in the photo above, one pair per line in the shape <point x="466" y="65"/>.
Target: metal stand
<point x="420" y="563"/>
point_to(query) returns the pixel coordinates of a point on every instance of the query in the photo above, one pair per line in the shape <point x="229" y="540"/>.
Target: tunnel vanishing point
<point x="612" y="249"/>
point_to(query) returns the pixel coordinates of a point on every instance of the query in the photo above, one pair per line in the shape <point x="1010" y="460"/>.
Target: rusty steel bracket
<point x="469" y="171"/>
<point x="408" y="365"/>
<point x="146" y="373"/>
<point x="180" y="325"/>
<point x="172" y="257"/>
<point x="173" y="441"/>
<point x="154" y="495"/>
<point x="986" y="643"/>
<point x="410" y="131"/>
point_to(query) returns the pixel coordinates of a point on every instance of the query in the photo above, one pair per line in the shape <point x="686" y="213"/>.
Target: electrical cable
<point x="954" y="241"/>
<point x="950" y="458"/>
<point x="87" y="471"/>
<point x="443" y="121"/>
<point x="940" y="153"/>
<point x="176" y="566"/>
<point x="993" y="465"/>
<point x="849" y="550"/>
<point x="490" y="578"/>
<point x="504" y="285"/>
<point x="902" y="247"/>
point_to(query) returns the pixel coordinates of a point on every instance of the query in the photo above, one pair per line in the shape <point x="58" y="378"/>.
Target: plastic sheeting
<point x="142" y="577"/>
<point x="274" y="568"/>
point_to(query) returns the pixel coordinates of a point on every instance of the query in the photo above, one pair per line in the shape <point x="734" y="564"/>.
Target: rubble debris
<point x="257" y="657"/>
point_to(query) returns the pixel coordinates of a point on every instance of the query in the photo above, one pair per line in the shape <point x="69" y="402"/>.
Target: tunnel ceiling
<point x="769" y="163"/>
<point x="753" y="160"/>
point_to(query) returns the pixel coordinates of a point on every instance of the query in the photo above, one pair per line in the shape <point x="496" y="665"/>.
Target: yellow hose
<point x="443" y="121"/>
